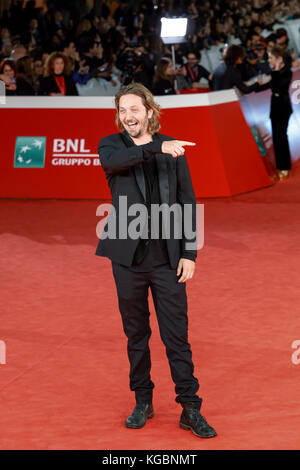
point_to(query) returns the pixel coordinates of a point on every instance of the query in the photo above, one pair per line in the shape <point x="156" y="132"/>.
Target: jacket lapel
<point x="138" y="169"/>
<point x="162" y="170"/>
<point x="140" y="179"/>
<point x="163" y="179"/>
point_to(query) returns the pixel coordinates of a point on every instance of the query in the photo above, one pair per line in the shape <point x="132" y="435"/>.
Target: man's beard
<point x="140" y="129"/>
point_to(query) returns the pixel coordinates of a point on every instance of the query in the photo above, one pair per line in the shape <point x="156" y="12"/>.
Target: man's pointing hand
<point x="175" y="147"/>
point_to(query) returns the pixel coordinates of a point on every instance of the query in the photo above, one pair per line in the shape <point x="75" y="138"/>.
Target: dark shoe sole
<point x="188" y="428"/>
<point x="139" y="427"/>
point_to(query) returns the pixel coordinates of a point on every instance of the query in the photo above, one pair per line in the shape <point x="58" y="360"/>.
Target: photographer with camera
<point x="136" y="64"/>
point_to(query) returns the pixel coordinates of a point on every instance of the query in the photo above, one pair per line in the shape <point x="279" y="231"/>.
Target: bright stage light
<point x="173" y="30"/>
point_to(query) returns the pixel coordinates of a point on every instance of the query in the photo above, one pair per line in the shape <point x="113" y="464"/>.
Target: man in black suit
<point x="227" y="75"/>
<point x="149" y="169"/>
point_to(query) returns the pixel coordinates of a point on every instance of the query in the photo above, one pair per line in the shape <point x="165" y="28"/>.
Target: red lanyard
<point x="192" y="75"/>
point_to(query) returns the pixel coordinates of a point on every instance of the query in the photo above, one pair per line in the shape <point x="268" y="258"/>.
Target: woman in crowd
<point x="57" y="80"/>
<point x="15" y="83"/>
<point x="164" y="78"/>
<point x="281" y="109"/>
<point x="8" y="71"/>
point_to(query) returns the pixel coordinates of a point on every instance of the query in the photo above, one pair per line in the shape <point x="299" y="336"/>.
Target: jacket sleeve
<point x="116" y="160"/>
<point x="238" y="82"/>
<point x="279" y="82"/>
<point x="186" y="195"/>
<point x="264" y="87"/>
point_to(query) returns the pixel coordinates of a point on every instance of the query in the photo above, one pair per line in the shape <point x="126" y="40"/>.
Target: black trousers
<point x="281" y="143"/>
<point x="170" y="303"/>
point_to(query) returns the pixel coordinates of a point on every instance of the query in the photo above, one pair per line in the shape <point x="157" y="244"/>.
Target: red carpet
<point x="65" y="381"/>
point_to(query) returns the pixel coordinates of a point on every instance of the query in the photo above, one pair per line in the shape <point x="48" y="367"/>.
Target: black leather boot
<point x="139" y="416"/>
<point x="193" y="420"/>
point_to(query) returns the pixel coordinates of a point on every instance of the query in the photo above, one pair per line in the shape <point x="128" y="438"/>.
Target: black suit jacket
<point x="226" y="77"/>
<point x="281" y="107"/>
<point x="122" y="162"/>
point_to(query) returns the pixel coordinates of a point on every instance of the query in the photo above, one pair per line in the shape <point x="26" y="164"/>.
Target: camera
<point x="128" y="61"/>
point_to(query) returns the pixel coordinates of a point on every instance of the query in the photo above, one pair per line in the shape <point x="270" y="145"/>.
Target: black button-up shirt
<point x="151" y="252"/>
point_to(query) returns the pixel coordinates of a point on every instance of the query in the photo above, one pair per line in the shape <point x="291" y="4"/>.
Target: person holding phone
<point x="82" y="75"/>
<point x="8" y="74"/>
<point x="94" y="57"/>
<point x="103" y="71"/>
<point x="12" y="74"/>
<point x="281" y="108"/>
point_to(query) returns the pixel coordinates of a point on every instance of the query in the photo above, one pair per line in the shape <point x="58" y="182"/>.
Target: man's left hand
<point x="187" y="267"/>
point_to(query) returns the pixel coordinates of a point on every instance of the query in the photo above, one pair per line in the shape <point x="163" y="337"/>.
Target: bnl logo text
<point x="2" y="352"/>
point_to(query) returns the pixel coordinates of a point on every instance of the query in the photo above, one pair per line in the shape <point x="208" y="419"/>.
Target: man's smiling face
<point x="133" y="115"/>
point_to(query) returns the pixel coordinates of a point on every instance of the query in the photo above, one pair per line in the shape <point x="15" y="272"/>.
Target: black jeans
<point x="281" y="143"/>
<point x="170" y="303"/>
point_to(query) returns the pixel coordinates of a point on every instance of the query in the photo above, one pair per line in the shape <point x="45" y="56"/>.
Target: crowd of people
<point x="62" y="45"/>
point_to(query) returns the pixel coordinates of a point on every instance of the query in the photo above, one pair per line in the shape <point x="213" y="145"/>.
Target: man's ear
<point x="150" y="113"/>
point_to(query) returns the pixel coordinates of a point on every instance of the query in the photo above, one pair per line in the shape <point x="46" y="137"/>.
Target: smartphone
<point x="103" y="68"/>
